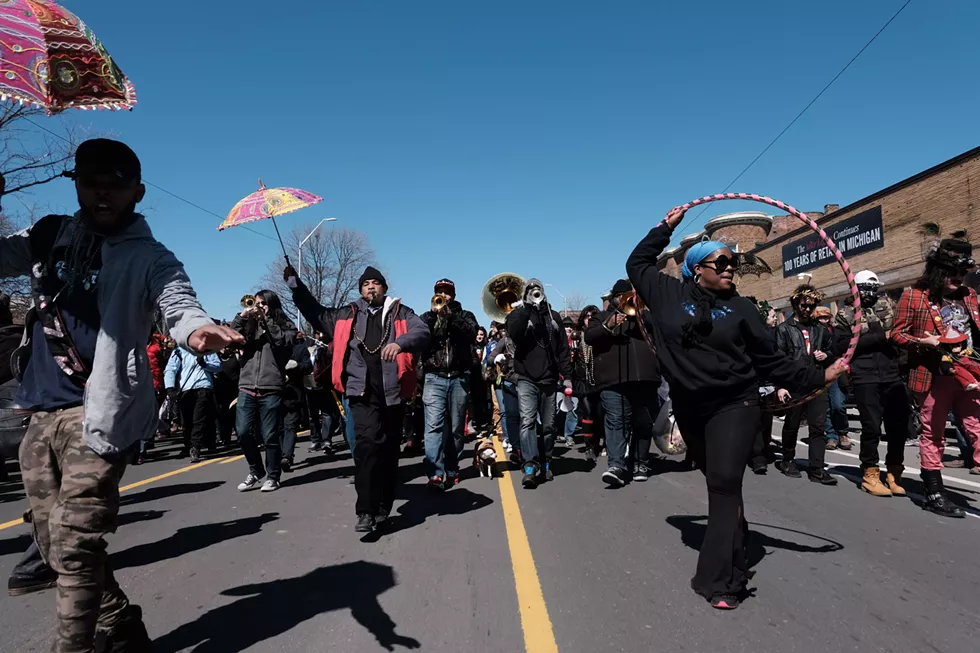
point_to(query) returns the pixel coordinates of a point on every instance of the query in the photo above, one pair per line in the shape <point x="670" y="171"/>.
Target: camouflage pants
<point x="74" y="498"/>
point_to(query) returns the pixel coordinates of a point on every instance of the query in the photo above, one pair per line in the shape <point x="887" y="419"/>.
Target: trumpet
<point x="500" y="294"/>
<point x="630" y="304"/>
<point x="248" y="301"/>
<point x="438" y="303"/>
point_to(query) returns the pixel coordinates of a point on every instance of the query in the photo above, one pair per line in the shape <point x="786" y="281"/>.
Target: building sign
<point x="860" y="233"/>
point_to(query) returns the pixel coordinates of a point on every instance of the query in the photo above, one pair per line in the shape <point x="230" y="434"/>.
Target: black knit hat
<point x="372" y="273"/>
<point x="621" y="286"/>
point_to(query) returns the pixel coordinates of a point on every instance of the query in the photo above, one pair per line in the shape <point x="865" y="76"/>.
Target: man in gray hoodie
<point x="96" y="278"/>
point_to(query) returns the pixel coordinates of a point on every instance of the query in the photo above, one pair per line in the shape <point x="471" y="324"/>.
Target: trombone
<point x="630" y="304"/>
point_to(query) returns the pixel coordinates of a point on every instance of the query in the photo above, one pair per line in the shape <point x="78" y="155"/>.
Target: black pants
<point x="292" y="416"/>
<point x="721" y="443"/>
<point x="197" y="416"/>
<point x="377" y="436"/>
<point x="816" y="419"/>
<point x="877" y="402"/>
<point x="592" y="420"/>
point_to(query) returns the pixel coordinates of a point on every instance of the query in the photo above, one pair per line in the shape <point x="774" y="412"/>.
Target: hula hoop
<point x="855" y="294"/>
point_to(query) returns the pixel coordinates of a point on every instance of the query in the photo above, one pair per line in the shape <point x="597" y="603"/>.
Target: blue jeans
<point x="510" y="412"/>
<point x="837" y="423"/>
<point x="445" y="420"/>
<point x="630" y="411"/>
<point x="537" y="401"/>
<point x="502" y="409"/>
<point x="571" y="421"/>
<point x="348" y="424"/>
<point x="265" y="415"/>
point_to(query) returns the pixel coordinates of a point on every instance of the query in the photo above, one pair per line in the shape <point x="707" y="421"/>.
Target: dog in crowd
<point x="484" y="457"/>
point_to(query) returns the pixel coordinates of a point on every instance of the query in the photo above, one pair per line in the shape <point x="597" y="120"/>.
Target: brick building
<point x="887" y="232"/>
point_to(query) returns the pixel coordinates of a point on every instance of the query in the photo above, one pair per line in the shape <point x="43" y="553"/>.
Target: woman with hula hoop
<point x="713" y="349"/>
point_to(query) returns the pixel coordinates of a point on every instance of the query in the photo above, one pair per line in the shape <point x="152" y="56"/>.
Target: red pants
<point x="947" y="393"/>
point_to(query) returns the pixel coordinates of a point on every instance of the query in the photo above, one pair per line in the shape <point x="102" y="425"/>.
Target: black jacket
<point x="450" y="352"/>
<point x="876" y="360"/>
<point x="726" y="365"/>
<point x="292" y="395"/>
<point x="620" y="355"/>
<point x="267" y="349"/>
<point x="790" y="340"/>
<point x="540" y="346"/>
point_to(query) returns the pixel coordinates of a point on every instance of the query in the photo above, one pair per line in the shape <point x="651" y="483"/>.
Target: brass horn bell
<point x="248" y="301"/>
<point x="500" y="294"/>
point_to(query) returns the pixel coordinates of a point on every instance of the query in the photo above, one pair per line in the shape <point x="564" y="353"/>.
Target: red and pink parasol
<point x="269" y="203"/>
<point x="51" y="59"/>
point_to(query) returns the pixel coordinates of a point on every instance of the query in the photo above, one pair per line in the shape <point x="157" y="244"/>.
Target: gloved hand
<point x="292" y="365"/>
<point x="173" y="393"/>
<point x="290" y="277"/>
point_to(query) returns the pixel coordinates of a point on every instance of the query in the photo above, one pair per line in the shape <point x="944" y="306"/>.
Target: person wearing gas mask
<point x="938" y="303"/>
<point x="542" y="363"/>
<point x="878" y="387"/>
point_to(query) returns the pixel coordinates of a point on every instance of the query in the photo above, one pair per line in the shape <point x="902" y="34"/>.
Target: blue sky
<point x="543" y="138"/>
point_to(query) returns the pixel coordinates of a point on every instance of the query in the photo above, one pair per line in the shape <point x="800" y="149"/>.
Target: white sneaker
<point x="270" y="486"/>
<point x="250" y="483"/>
<point x="508" y="447"/>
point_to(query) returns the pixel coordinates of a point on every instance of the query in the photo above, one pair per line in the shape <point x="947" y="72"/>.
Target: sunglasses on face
<point x="722" y="263"/>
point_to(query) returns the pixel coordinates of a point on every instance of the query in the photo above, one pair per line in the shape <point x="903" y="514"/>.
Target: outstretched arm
<point x="641" y="266"/>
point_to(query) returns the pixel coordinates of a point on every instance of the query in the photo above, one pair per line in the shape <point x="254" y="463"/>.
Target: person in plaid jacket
<point x="939" y="302"/>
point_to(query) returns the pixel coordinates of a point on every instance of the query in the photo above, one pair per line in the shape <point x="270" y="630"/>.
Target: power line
<point x="160" y="188"/>
<point x="809" y="104"/>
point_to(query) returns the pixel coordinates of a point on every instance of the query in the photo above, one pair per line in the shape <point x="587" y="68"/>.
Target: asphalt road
<point x="489" y="566"/>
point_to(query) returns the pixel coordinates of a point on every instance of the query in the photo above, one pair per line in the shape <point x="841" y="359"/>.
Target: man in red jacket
<point x="938" y="303"/>
<point x="374" y="339"/>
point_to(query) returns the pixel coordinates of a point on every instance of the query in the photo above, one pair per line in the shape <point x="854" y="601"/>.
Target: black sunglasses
<point x="722" y="263"/>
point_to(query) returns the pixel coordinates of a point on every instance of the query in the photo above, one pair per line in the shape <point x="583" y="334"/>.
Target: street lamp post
<point x="563" y="300"/>
<point x="299" y="272"/>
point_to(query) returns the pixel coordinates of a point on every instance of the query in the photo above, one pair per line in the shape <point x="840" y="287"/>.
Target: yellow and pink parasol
<point x="269" y="203"/>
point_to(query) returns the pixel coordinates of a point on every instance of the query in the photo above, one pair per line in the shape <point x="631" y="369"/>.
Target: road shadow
<point x="693" y="527"/>
<point x="571" y="465"/>
<point x="190" y="539"/>
<point x="126" y="518"/>
<point x="422" y="503"/>
<point x="15" y="545"/>
<point x="275" y="607"/>
<point x="294" y="479"/>
<point x="157" y="492"/>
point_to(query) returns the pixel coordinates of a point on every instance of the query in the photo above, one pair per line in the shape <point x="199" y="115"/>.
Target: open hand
<point x="214" y="337"/>
<point x="390" y="352"/>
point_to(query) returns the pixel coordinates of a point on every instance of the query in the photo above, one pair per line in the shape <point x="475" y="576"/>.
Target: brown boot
<point x="872" y="483"/>
<point x="893" y="477"/>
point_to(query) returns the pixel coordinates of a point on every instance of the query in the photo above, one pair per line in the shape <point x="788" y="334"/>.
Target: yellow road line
<point x="15" y="522"/>
<point x="231" y="460"/>
<point x="539" y="636"/>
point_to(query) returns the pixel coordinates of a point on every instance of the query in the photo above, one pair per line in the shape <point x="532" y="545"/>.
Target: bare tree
<point x="577" y="301"/>
<point x="30" y="157"/>
<point x="333" y="260"/>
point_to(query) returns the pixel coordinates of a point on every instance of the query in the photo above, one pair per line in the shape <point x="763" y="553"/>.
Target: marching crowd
<point x="662" y="355"/>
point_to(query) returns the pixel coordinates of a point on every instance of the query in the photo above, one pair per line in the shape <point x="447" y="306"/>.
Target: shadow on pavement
<point x="166" y="491"/>
<point x="139" y="515"/>
<point x="422" y="503"/>
<point x="693" y="527"/>
<point x="190" y="539"/>
<point x="15" y="545"/>
<point x="562" y="466"/>
<point x="321" y="474"/>
<point x="275" y="607"/>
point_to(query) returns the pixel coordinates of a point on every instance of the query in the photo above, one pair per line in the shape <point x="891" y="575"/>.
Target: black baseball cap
<point x="100" y="156"/>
